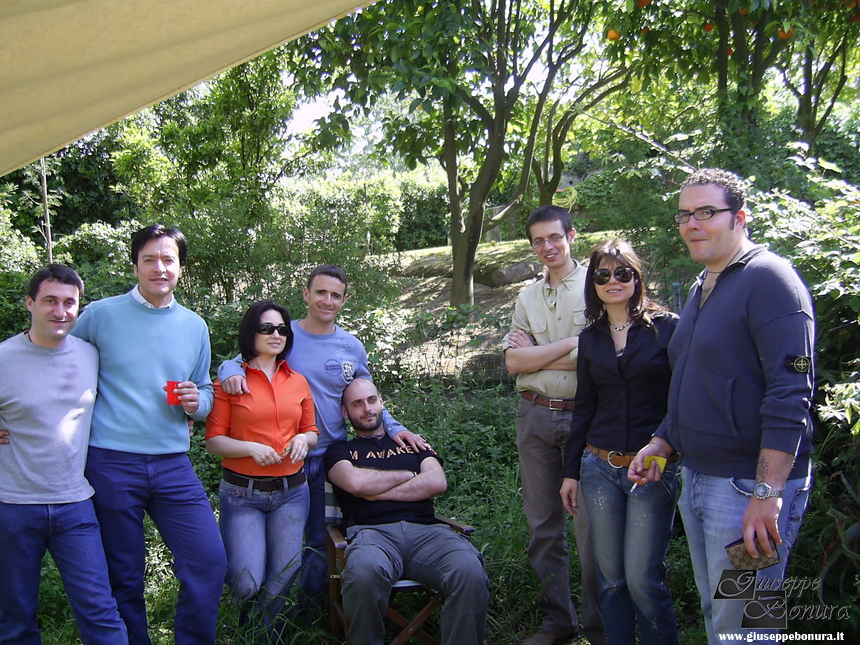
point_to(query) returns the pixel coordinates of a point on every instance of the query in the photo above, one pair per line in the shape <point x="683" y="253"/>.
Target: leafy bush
<point x="425" y="217"/>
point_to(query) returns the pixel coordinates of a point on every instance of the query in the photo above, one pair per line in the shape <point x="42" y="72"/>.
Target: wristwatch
<point x="765" y="491"/>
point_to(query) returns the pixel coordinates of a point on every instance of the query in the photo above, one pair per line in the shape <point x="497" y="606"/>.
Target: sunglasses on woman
<point x="267" y="329"/>
<point x="622" y="274"/>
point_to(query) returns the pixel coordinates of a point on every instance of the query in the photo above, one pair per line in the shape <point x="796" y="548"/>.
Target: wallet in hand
<point x="740" y="559"/>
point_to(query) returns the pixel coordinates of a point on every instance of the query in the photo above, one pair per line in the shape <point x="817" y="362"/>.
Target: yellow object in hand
<point x="661" y="462"/>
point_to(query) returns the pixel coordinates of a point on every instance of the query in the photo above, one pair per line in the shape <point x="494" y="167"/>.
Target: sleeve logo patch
<point x="799" y="364"/>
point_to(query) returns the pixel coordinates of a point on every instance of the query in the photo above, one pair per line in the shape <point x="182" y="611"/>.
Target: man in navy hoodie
<point x="740" y="398"/>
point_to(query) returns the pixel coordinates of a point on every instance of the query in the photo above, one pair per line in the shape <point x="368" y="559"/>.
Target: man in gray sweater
<point x="47" y="390"/>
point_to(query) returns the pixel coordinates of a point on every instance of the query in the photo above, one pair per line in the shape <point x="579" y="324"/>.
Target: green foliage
<point x="425" y="219"/>
<point x="14" y="317"/>
<point x="17" y="252"/>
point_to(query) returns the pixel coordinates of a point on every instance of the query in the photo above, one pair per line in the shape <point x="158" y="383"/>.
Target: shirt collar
<point x="567" y="281"/>
<point x="138" y="296"/>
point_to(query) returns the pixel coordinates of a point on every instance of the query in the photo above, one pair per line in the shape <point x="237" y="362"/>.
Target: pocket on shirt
<point x="709" y="408"/>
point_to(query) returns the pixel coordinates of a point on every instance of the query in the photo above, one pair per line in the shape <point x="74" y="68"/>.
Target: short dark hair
<point x="549" y="213"/>
<point x="55" y="273"/>
<point x="332" y="271"/>
<point x="144" y="235"/>
<point x="734" y="188"/>
<point x="248" y="328"/>
<point x="621" y="253"/>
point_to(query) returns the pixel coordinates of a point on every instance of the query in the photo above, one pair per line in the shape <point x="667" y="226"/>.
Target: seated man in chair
<point x="385" y="492"/>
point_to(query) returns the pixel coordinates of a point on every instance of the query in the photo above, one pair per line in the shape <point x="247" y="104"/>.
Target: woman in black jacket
<point x="623" y="377"/>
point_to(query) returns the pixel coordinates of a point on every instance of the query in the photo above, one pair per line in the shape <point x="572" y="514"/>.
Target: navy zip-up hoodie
<point x="737" y="384"/>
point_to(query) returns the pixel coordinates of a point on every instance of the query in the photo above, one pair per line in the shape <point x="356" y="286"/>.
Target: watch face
<point x="761" y="490"/>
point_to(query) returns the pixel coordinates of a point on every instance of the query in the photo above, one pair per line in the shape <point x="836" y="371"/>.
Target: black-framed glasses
<point x="267" y="329"/>
<point x="622" y="274"/>
<point x="555" y="239"/>
<point x="700" y="214"/>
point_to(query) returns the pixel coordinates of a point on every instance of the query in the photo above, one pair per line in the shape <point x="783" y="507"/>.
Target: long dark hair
<point x="248" y="328"/>
<point x="640" y="306"/>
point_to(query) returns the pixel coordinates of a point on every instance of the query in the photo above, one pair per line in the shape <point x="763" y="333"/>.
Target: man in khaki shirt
<point x="541" y="349"/>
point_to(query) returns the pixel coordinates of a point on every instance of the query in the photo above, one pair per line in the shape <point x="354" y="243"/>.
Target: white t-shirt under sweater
<point x="46" y="404"/>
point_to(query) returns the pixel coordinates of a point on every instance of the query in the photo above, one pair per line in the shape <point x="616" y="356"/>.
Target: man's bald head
<point x="362" y="405"/>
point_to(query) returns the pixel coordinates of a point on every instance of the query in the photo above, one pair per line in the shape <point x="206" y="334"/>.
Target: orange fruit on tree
<point x="645" y="30"/>
<point x="642" y="3"/>
<point x="613" y="35"/>
<point x="730" y="51"/>
<point x="785" y="34"/>
<point x="744" y="10"/>
<point x="850" y="4"/>
<point x="709" y="27"/>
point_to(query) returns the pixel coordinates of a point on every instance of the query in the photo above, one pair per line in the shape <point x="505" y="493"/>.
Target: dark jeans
<point x="128" y="485"/>
<point x="71" y="533"/>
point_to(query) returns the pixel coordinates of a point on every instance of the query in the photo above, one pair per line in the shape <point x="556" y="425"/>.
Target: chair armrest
<point x="336" y="537"/>
<point x="460" y="527"/>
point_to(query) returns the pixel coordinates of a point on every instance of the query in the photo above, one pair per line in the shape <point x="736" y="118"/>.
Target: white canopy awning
<point x="69" y="67"/>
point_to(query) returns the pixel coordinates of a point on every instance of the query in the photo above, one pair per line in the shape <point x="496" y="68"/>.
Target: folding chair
<point x="410" y="627"/>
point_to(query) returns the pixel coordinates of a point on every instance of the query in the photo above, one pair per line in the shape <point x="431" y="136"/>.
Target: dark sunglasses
<point x="267" y="329"/>
<point x="622" y="274"/>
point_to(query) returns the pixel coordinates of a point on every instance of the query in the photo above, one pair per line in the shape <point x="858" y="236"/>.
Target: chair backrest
<point x="333" y="514"/>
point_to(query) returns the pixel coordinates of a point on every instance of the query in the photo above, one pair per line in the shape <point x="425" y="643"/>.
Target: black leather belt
<point x="265" y="484"/>
<point x="552" y="404"/>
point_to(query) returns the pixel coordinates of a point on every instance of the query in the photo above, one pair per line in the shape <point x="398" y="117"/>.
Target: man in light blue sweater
<point x="47" y="391"/>
<point x="137" y="459"/>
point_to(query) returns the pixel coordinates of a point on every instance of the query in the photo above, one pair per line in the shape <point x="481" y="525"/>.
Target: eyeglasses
<point x="701" y="214"/>
<point x="622" y="274"/>
<point x="267" y="329"/>
<point x="555" y="239"/>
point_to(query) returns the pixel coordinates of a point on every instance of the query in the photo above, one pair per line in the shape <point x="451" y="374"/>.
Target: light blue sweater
<point x="140" y="349"/>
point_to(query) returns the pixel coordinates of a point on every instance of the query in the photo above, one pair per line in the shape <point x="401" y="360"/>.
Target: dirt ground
<point x="473" y="351"/>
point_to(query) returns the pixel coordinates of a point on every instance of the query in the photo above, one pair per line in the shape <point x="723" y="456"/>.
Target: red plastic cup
<point x="173" y="397"/>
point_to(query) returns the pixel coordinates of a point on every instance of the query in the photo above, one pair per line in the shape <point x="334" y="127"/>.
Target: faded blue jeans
<point x="712" y="508"/>
<point x="630" y="533"/>
<point x="262" y="533"/>
<point x="71" y="533"/>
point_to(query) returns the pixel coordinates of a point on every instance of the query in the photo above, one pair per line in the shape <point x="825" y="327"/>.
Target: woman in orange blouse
<point x="263" y="436"/>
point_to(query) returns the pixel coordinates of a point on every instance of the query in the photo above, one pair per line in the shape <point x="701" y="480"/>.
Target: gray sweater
<point x="46" y="404"/>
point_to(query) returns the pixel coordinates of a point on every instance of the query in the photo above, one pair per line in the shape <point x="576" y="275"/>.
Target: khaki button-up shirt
<point x="550" y="315"/>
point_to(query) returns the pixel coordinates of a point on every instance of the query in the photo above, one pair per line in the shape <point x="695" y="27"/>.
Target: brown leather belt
<point x="612" y="457"/>
<point x="265" y="484"/>
<point x="552" y="404"/>
<point x="621" y="459"/>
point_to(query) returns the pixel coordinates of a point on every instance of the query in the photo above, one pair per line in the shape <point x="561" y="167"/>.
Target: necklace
<point x="623" y="327"/>
<point x="734" y="257"/>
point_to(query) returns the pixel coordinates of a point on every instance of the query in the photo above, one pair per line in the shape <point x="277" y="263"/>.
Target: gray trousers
<point x="378" y="556"/>
<point x="541" y="436"/>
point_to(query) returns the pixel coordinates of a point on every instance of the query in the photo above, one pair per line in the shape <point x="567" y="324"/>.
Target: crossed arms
<point x="396" y="485"/>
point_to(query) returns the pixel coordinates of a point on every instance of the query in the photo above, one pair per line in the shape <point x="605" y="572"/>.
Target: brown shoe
<point x="545" y="637"/>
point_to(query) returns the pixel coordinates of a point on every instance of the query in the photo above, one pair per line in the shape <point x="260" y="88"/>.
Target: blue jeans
<point x="378" y="556"/>
<point x="71" y="533"/>
<point x="128" y="485"/>
<point x="712" y="508"/>
<point x="262" y="534"/>
<point x="630" y="534"/>
<point x="314" y="573"/>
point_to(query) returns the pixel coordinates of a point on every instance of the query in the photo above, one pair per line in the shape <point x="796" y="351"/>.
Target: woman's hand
<point x="262" y="454"/>
<point x="569" y="491"/>
<point x="637" y="473"/>
<point x="298" y="448"/>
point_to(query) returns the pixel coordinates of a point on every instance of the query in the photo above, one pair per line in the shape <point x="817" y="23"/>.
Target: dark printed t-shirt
<point x="379" y="453"/>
